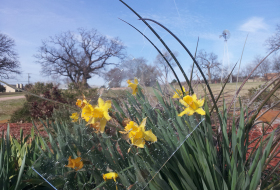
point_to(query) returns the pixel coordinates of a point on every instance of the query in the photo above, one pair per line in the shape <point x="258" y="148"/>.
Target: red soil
<point x="15" y="129"/>
<point x="258" y="131"/>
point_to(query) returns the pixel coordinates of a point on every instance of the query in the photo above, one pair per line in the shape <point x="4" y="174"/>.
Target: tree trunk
<point x="85" y="84"/>
<point x="209" y="76"/>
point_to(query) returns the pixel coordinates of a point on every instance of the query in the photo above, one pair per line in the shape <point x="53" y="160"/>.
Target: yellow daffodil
<point x="133" y="86"/>
<point x="81" y="103"/>
<point x="111" y="175"/>
<point x="137" y="134"/>
<point x="100" y="114"/>
<point x="74" y="117"/>
<point x="96" y="116"/>
<point x="76" y="164"/>
<point x="87" y="112"/>
<point x="179" y="93"/>
<point x="192" y="105"/>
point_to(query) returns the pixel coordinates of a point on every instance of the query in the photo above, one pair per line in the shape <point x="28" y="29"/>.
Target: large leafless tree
<point x="78" y="55"/>
<point x="163" y="65"/>
<point x="274" y="41"/>
<point x="9" y="63"/>
<point x="209" y="62"/>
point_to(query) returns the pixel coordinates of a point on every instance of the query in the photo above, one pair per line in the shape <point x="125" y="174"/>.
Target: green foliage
<point x="110" y="150"/>
<point x="76" y="91"/>
<point x="204" y="161"/>
<point x="16" y="158"/>
<point x="200" y="164"/>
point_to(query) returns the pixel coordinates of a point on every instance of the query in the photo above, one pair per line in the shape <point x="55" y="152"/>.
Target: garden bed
<point x="15" y="129"/>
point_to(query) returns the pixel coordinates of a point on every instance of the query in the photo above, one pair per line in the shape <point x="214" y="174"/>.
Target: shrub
<point x="36" y="107"/>
<point x="75" y="91"/>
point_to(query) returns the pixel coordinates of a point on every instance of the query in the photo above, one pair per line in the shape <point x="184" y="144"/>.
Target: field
<point x="10" y="94"/>
<point x="229" y="90"/>
<point x="7" y="107"/>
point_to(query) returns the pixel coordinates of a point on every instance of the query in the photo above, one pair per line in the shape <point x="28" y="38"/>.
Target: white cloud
<point x="253" y="25"/>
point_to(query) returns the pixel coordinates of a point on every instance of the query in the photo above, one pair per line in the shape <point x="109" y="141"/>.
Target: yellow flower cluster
<point x="97" y="116"/>
<point x="191" y="103"/>
<point x="137" y="134"/>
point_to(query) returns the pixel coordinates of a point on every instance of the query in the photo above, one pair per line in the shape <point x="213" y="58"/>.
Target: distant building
<point x="63" y="86"/>
<point x="10" y="89"/>
<point x="269" y="76"/>
<point x="94" y="86"/>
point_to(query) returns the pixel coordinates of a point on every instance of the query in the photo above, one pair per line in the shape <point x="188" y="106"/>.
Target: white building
<point x="10" y="89"/>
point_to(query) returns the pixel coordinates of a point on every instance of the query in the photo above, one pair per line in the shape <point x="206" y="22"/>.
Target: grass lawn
<point x="9" y="106"/>
<point x="10" y="94"/>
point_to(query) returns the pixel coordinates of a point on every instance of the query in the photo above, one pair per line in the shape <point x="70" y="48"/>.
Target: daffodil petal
<point x="200" y="102"/>
<point x="149" y="136"/>
<point x="184" y="103"/>
<point x="200" y="111"/>
<point x="176" y="95"/>
<point x="138" y="142"/>
<point x="183" y="113"/>
<point x="135" y="81"/>
<point x="194" y="97"/>
<point x="188" y="99"/>
<point x="103" y="122"/>
<point x="143" y="124"/>
<point x="100" y="102"/>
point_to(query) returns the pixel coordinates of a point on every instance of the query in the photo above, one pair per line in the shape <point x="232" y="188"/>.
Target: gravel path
<point x="10" y="98"/>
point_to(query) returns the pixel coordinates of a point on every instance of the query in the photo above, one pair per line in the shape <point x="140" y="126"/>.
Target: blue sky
<point x="28" y="22"/>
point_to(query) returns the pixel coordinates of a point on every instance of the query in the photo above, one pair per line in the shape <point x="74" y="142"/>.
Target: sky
<point x="29" y="22"/>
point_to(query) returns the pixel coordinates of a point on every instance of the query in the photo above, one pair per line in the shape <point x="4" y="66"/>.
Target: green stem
<point x="193" y="62"/>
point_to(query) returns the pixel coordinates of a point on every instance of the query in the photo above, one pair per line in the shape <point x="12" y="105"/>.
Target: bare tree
<point x="138" y="67"/>
<point x="114" y="77"/>
<point x="78" y="56"/>
<point x="208" y="62"/>
<point x="9" y="63"/>
<point x="247" y="69"/>
<point x="276" y="64"/>
<point x="274" y="41"/>
<point x="263" y="68"/>
<point x="163" y="65"/>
